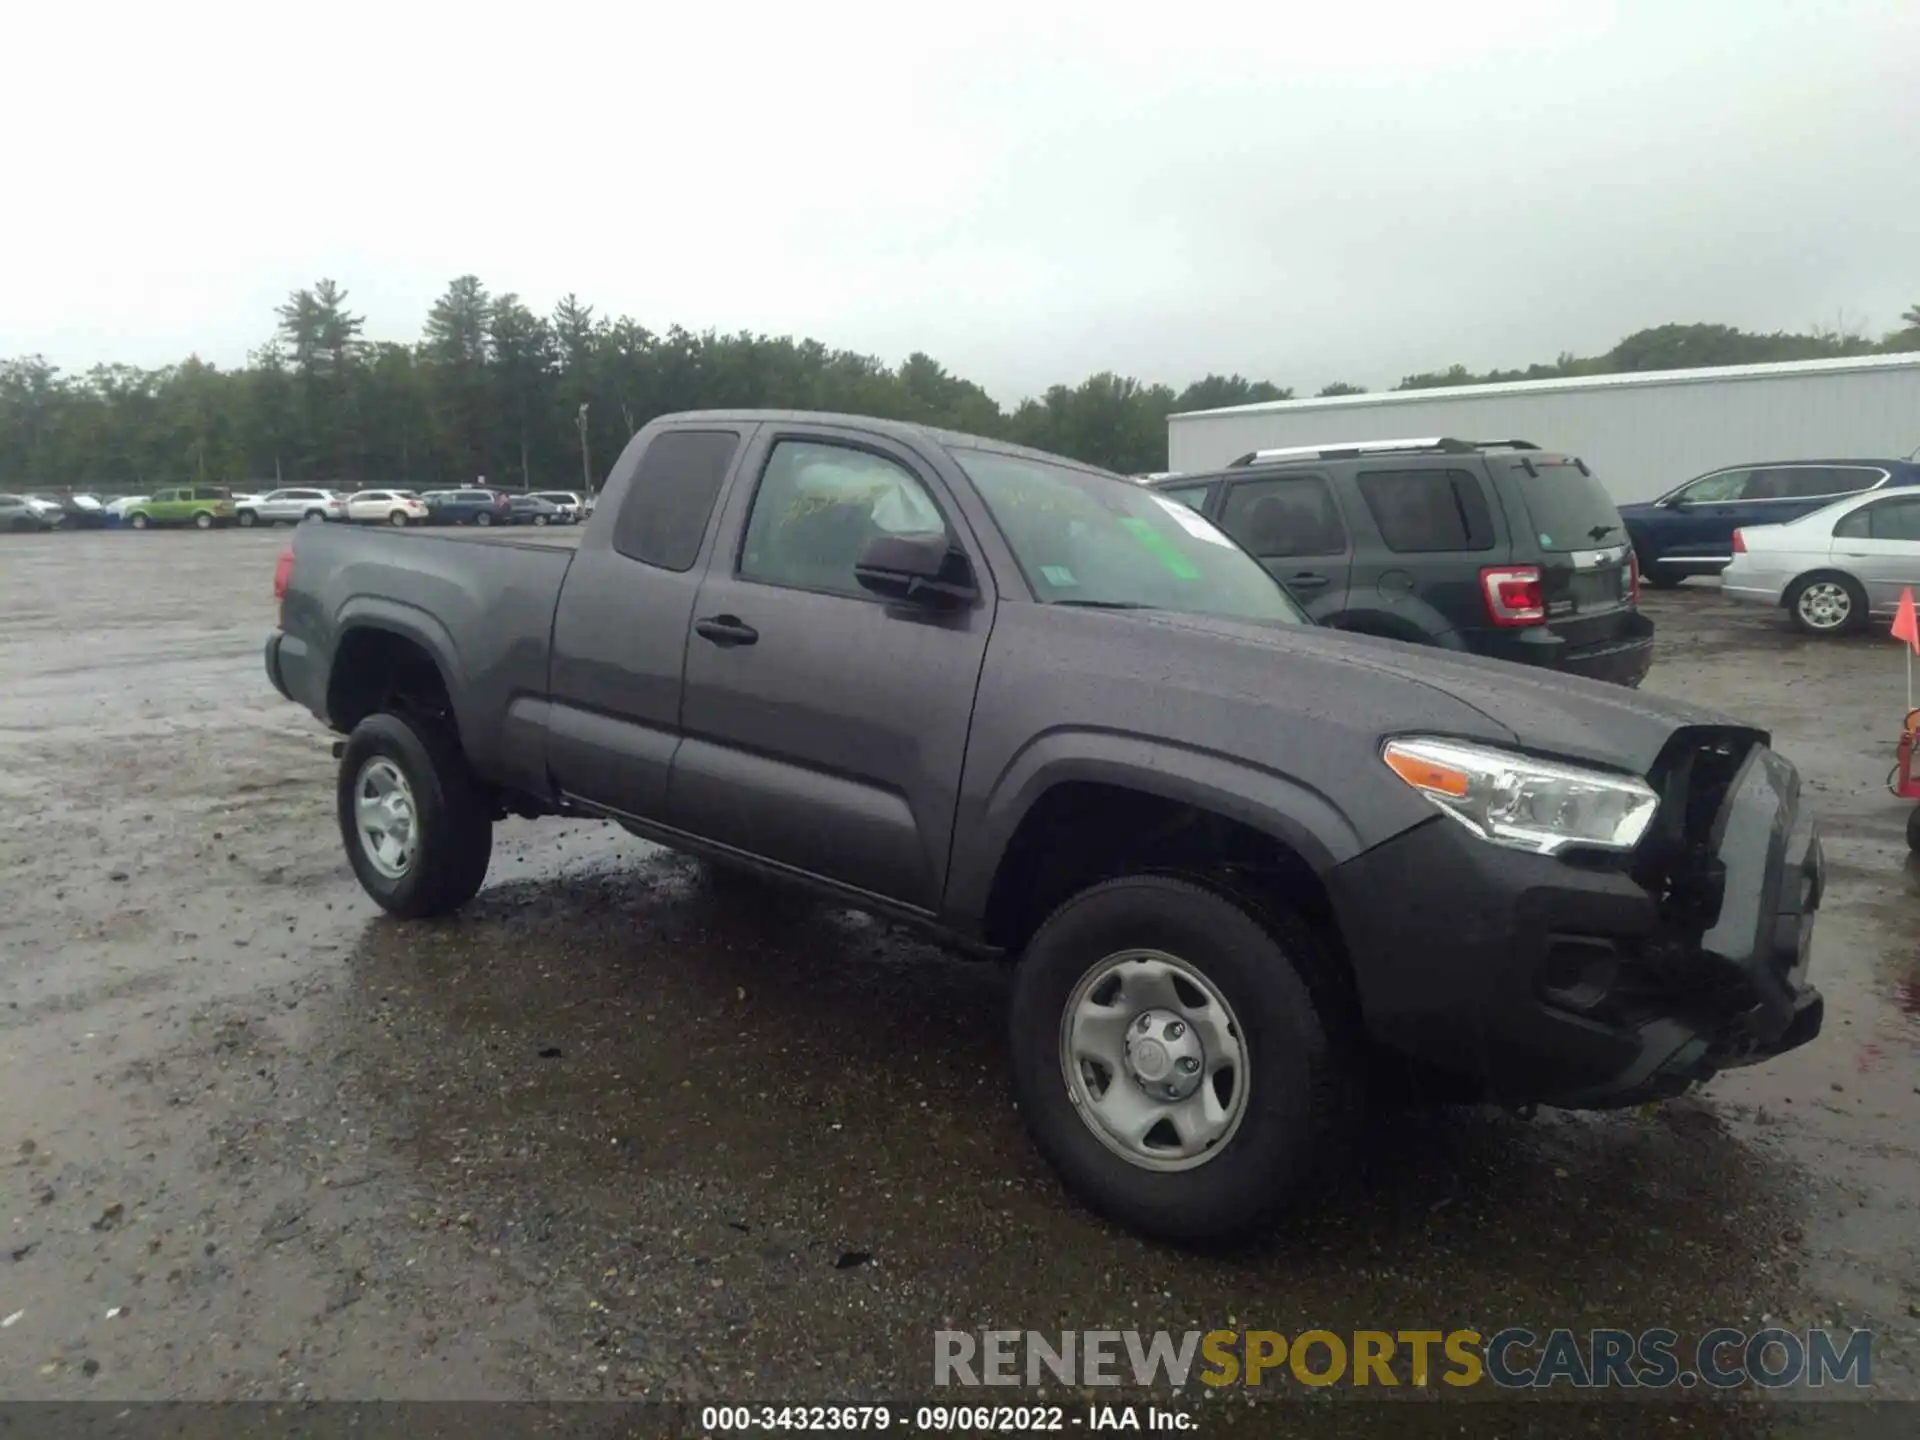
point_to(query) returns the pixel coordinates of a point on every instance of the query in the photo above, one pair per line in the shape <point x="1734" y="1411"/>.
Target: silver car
<point x="565" y="501"/>
<point x="289" y="507"/>
<point x="1835" y="568"/>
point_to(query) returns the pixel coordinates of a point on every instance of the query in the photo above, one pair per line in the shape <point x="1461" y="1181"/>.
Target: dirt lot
<point x="626" y="1129"/>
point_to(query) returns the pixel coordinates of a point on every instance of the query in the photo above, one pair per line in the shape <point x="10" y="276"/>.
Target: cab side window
<point x="664" y="516"/>
<point x="816" y="507"/>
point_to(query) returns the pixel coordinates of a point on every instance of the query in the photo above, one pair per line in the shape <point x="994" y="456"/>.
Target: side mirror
<point x="925" y="568"/>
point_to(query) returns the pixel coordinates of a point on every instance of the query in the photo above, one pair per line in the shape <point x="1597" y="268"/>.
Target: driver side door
<point x="823" y="727"/>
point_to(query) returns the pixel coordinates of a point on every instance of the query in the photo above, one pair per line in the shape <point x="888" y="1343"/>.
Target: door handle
<point x="1307" y="580"/>
<point x="726" y="631"/>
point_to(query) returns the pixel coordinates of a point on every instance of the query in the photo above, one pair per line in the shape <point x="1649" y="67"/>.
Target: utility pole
<point x="586" y="460"/>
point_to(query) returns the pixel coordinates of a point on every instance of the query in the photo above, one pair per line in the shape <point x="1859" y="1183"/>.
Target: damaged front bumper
<point x="1587" y="982"/>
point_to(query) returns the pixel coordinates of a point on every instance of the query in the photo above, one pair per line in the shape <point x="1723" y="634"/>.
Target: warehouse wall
<point x="1641" y="439"/>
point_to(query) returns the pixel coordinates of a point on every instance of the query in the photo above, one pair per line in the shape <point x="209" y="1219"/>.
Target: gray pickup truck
<point x="1245" y="866"/>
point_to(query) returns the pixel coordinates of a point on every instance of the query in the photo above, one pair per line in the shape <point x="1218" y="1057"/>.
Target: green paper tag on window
<point x="1162" y="549"/>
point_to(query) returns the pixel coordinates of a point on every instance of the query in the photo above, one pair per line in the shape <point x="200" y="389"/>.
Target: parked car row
<point x="1832" y="542"/>
<point x="41" y="512"/>
<point x="210" y="507"/>
<point x="1500" y="549"/>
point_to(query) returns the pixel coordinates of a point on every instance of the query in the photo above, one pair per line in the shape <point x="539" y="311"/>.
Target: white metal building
<point x="1641" y="433"/>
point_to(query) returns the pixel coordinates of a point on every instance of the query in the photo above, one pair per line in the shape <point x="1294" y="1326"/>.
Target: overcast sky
<point x="1030" y="192"/>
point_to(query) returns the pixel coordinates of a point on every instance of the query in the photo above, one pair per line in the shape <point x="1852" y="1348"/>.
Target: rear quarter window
<point x="667" y="506"/>
<point x="1423" y="511"/>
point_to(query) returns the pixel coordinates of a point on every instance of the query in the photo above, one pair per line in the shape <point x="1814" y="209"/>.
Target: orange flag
<point x="1906" y="624"/>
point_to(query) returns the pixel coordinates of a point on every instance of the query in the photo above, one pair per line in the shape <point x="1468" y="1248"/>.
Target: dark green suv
<point x="1498" y="548"/>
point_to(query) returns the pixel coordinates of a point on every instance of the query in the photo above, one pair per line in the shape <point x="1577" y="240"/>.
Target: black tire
<point x="315" y="516"/>
<point x="1913" y="830"/>
<point x="1305" y="1086"/>
<point x="139" y="521"/>
<point x="454" y="822"/>
<point x="1800" y="603"/>
<point x="483" y="518"/>
<point x="398" y="519"/>
<point x="248" y="519"/>
<point x="203" y="520"/>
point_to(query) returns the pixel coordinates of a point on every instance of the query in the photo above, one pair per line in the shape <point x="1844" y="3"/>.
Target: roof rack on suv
<point x="1438" y="444"/>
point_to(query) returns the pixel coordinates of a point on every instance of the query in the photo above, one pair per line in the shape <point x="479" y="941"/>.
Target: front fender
<point x="1282" y="806"/>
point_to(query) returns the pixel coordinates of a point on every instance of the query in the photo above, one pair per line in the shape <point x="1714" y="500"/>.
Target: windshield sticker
<point x="1162" y="549"/>
<point x="1193" y="522"/>
<point x="1059" y="576"/>
<point x="1546" y="541"/>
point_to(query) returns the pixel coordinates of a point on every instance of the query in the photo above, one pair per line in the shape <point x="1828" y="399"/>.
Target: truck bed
<point x="480" y="602"/>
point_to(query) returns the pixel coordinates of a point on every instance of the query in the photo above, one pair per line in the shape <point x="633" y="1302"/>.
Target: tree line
<point x="492" y="389"/>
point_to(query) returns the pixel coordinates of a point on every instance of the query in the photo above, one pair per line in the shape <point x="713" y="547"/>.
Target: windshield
<point x="1570" y="509"/>
<point x="1088" y="539"/>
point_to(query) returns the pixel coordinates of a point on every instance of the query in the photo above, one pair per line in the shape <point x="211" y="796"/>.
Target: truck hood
<point x="1541" y="711"/>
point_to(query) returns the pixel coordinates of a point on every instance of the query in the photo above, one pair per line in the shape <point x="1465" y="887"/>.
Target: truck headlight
<point x="1526" y="803"/>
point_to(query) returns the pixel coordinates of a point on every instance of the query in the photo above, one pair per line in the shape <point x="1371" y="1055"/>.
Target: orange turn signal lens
<point x="1424" y="774"/>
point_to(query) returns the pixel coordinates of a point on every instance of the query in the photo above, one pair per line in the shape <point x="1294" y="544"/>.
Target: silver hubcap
<point x="1154" y="1060"/>
<point x="384" y="812"/>
<point x="1825" y="605"/>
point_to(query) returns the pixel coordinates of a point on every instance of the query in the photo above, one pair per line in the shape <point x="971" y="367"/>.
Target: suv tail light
<point x="282" y="575"/>
<point x="1739" y="543"/>
<point x="1513" y="594"/>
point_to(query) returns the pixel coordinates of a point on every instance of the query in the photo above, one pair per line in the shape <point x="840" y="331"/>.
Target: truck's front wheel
<point x="416" y="826"/>
<point x="1186" y="1063"/>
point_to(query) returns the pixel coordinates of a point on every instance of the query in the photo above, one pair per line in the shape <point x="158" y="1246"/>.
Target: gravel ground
<point x="628" y="1129"/>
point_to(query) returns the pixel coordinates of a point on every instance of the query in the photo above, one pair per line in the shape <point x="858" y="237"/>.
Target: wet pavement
<point x="630" y="1128"/>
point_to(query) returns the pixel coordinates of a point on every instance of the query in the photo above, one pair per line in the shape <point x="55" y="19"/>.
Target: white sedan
<point x="387" y="507"/>
<point x="1835" y="568"/>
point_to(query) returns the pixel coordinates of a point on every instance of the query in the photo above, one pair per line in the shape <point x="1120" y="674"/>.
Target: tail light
<point x="1513" y="595"/>
<point x="282" y="575"/>
<point x="1633" y="577"/>
<point x="1739" y="543"/>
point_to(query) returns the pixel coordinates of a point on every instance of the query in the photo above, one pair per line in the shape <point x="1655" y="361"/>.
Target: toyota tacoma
<point x="1242" y="865"/>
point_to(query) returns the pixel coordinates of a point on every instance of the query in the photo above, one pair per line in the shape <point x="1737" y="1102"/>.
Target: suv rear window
<point x="1420" y="511"/>
<point x="1570" y="510"/>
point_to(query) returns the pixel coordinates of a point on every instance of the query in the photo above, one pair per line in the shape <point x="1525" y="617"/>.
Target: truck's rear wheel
<point x="1185" y="1063"/>
<point x="416" y="826"/>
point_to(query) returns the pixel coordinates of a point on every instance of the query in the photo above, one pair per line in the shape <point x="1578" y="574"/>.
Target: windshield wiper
<point x="1104" y="604"/>
<point x="1599" y="530"/>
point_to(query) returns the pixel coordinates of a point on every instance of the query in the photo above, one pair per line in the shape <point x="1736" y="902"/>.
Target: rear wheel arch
<point x="379" y="666"/>
<point x="1383" y="627"/>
